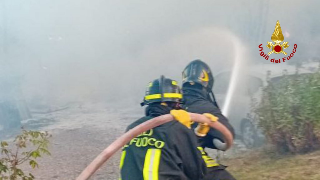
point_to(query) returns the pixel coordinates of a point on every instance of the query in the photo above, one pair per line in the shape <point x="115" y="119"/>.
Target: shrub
<point x="289" y="112"/>
<point x="26" y="147"/>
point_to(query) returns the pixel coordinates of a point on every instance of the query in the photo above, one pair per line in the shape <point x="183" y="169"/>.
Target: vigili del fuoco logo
<point x="277" y="46"/>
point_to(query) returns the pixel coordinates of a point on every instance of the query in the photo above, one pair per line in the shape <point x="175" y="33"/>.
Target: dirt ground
<point x="80" y="133"/>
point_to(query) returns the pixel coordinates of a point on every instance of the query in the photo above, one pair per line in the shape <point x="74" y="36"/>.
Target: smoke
<point x="62" y="51"/>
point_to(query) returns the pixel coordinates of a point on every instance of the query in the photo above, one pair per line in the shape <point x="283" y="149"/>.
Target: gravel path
<point x="79" y="135"/>
<point x="73" y="150"/>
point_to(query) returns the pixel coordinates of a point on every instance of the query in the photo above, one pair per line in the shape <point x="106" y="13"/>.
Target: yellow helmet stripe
<point x="174" y="83"/>
<point x="152" y="96"/>
<point x="165" y="95"/>
<point x="172" y="95"/>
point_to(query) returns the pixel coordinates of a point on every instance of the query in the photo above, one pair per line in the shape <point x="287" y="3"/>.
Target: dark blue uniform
<point x="167" y="152"/>
<point x="197" y="101"/>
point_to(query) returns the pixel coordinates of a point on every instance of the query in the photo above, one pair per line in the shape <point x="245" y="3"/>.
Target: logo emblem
<point x="277" y="47"/>
<point x="204" y="76"/>
<point x="277" y="38"/>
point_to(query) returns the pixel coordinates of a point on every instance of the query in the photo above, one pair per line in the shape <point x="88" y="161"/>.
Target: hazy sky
<point x="108" y="50"/>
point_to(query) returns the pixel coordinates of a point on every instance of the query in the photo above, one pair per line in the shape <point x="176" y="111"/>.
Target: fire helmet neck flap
<point x="162" y="90"/>
<point x="198" y="72"/>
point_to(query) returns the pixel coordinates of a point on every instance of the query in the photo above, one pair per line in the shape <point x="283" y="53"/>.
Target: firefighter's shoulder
<point x="201" y="106"/>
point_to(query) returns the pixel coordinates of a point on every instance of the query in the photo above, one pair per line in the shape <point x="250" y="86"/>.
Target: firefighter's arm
<point x="223" y="120"/>
<point x="212" y="134"/>
<point x="202" y="129"/>
<point x="210" y="108"/>
<point x="214" y="139"/>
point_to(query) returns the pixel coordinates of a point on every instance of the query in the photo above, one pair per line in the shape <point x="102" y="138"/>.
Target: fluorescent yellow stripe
<point x="123" y="156"/>
<point x="201" y="150"/>
<point x="156" y="163"/>
<point x="174" y="83"/>
<point x="165" y="95"/>
<point x="151" y="164"/>
<point x="153" y="96"/>
<point x="147" y="165"/>
<point x="172" y="95"/>
<point x="208" y="160"/>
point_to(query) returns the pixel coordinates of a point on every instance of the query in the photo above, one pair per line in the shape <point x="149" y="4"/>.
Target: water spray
<point x="235" y="73"/>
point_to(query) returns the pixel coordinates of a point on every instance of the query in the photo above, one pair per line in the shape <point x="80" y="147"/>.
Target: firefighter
<point x="197" y="83"/>
<point x="169" y="151"/>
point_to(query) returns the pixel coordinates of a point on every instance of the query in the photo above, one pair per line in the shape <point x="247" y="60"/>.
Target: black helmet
<point x="162" y="90"/>
<point x="198" y="72"/>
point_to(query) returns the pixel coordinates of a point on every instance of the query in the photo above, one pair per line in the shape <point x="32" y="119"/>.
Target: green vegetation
<point x="289" y="113"/>
<point x="26" y="147"/>
<point x="261" y="165"/>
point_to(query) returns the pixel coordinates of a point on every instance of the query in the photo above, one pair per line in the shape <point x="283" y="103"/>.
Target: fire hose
<point x="157" y="121"/>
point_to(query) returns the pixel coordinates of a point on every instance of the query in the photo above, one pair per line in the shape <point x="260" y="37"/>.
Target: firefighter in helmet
<point x="169" y="151"/>
<point x="197" y="83"/>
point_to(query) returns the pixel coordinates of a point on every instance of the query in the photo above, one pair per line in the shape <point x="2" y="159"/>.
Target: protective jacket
<point x="169" y="151"/>
<point x="197" y="101"/>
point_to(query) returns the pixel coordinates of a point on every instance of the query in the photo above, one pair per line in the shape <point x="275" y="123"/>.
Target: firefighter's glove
<point x="203" y="128"/>
<point x="182" y="116"/>
<point x="211" y="117"/>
